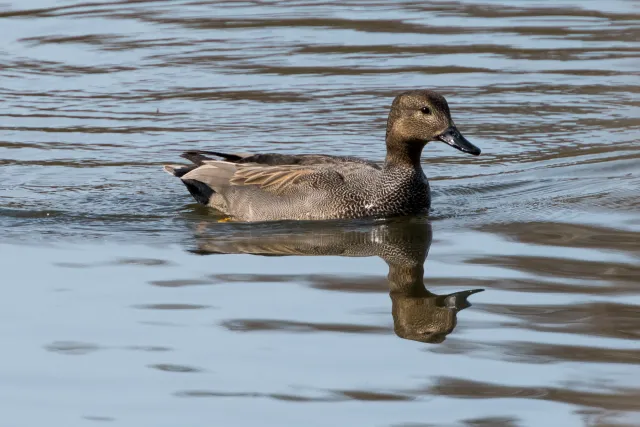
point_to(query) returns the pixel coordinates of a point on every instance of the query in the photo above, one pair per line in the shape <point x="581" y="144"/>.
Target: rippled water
<point x="125" y="302"/>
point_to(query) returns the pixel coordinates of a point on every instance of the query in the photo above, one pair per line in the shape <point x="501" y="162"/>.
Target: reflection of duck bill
<point x="458" y="300"/>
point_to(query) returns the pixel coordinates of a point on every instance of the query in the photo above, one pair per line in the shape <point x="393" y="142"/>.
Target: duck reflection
<point x="418" y="314"/>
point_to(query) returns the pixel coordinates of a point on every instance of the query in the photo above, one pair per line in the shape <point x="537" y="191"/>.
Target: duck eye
<point x="425" y="110"/>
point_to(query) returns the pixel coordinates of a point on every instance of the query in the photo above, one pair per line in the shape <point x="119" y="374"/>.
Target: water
<point x="124" y="302"/>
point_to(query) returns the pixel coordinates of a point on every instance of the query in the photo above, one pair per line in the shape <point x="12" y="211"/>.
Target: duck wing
<point x="220" y="175"/>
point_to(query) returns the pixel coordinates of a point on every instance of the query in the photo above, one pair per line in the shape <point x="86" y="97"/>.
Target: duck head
<point x="420" y="315"/>
<point x="420" y="116"/>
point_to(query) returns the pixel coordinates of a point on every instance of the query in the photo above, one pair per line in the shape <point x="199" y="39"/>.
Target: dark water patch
<point x="253" y="395"/>
<point x="513" y="52"/>
<point x="362" y="395"/>
<point x="492" y="422"/>
<point x="163" y="324"/>
<point x="174" y="306"/>
<point x="325" y="23"/>
<point x="614" y="272"/>
<point x="90" y="39"/>
<point x="608" y="398"/>
<point x="259" y="278"/>
<point x="72" y="348"/>
<point x="175" y="368"/>
<point x="569" y="235"/>
<point x="80" y="348"/>
<point x="61" y="115"/>
<point x="72" y="265"/>
<point x="331" y="396"/>
<point x="175" y="283"/>
<point x="319" y="281"/>
<point x="149" y="348"/>
<point x="56" y="145"/>
<point x="101" y="130"/>
<point x="600" y="319"/>
<point x="29" y="214"/>
<point x="105" y="42"/>
<point x="539" y="353"/>
<point x="147" y="262"/>
<point x="463" y="9"/>
<point x="345" y="71"/>
<point x="99" y="418"/>
<point x="548" y="286"/>
<point x="56" y="68"/>
<point x="264" y="325"/>
<point x="353" y="285"/>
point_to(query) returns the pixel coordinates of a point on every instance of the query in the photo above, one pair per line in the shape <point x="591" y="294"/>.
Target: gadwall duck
<point x="267" y="187"/>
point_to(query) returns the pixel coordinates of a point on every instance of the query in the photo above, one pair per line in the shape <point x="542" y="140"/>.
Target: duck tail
<point x="200" y="191"/>
<point x="178" y="170"/>
<point x="200" y="156"/>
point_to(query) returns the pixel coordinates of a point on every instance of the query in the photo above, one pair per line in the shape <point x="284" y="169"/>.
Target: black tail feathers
<point x="199" y="156"/>
<point x="200" y="191"/>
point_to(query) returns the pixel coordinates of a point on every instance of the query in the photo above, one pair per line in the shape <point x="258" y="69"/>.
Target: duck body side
<point x="336" y="188"/>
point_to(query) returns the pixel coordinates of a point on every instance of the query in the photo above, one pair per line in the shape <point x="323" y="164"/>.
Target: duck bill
<point x="454" y="138"/>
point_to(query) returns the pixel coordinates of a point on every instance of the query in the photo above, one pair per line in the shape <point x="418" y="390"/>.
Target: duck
<point x="252" y="187"/>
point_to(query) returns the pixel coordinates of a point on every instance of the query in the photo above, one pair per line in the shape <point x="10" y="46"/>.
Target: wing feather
<point x="277" y="179"/>
<point x="284" y="178"/>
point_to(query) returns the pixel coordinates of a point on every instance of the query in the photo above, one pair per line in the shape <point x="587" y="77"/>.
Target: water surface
<point x="126" y="303"/>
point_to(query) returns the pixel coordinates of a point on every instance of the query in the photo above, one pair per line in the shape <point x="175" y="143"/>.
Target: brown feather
<point x="271" y="178"/>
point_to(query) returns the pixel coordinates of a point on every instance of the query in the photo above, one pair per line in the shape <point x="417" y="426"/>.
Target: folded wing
<point x="282" y="179"/>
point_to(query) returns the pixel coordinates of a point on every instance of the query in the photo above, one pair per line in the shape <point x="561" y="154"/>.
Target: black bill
<point x="455" y="139"/>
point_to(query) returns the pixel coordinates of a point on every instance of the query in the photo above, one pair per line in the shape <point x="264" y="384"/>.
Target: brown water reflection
<point x="536" y="352"/>
<point x="568" y="268"/>
<point x="570" y="235"/>
<point x="595" y="319"/>
<point x="332" y="396"/>
<point x="611" y="398"/>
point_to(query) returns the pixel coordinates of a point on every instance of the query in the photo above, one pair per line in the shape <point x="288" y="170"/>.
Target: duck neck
<point x="407" y="280"/>
<point x="403" y="153"/>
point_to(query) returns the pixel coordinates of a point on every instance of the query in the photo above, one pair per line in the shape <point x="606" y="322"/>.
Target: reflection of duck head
<point x="403" y="244"/>
<point x="427" y="317"/>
